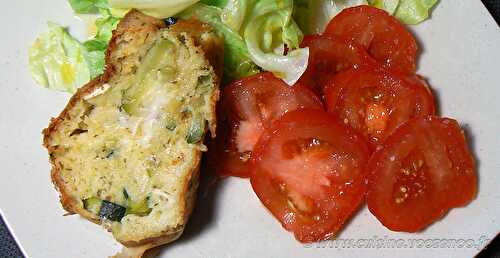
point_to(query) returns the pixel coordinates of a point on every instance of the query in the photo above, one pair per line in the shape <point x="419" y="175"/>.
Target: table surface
<point x="9" y="248"/>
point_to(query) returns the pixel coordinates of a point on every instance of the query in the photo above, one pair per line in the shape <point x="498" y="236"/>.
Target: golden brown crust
<point x="213" y="49"/>
<point x="135" y="23"/>
<point x="188" y="194"/>
<point x="66" y="201"/>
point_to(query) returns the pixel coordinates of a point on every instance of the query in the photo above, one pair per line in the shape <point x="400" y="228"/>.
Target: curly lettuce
<point x="269" y="29"/>
<point x="256" y="35"/>
<point x="414" y="11"/>
<point x="313" y="16"/>
<point x="237" y="61"/>
<point x="407" y="11"/>
<point x="389" y="6"/>
<point x="104" y="24"/>
<point x="58" y="61"/>
<point x="88" y="6"/>
<point x="96" y="47"/>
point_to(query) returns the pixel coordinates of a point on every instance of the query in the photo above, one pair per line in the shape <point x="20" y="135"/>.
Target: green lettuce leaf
<point x="218" y="3"/>
<point x="261" y="29"/>
<point x="313" y="16"/>
<point x="88" y="6"/>
<point x="407" y="11"/>
<point x="388" y="5"/>
<point x="269" y="27"/>
<point x="57" y="60"/>
<point x="105" y="26"/>
<point x="97" y="46"/>
<point x="237" y="61"/>
<point x="95" y="62"/>
<point x="234" y="13"/>
<point x="414" y="11"/>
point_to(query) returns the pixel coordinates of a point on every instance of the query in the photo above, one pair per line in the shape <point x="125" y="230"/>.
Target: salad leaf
<point x="263" y="28"/>
<point x="157" y="8"/>
<point x="88" y="6"/>
<point x="95" y="62"/>
<point x="96" y="47"/>
<point x="105" y="26"/>
<point x="269" y="29"/>
<point x="234" y="14"/>
<point x="218" y="3"/>
<point x="313" y="16"/>
<point x="57" y="60"/>
<point x="237" y="61"/>
<point x="407" y="11"/>
<point x="414" y="11"/>
<point x="387" y="5"/>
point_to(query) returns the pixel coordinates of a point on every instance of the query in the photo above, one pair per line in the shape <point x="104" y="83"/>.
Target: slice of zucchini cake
<point x="126" y="150"/>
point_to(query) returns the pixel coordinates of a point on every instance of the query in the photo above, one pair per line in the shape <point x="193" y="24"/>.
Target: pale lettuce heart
<point x="157" y="8"/>
<point x="414" y="11"/>
<point x="57" y="60"/>
<point x="259" y="40"/>
<point x="255" y="34"/>
<point x="267" y="27"/>
<point x="407" y="11"/>
<point x="389" y="6"/>
<point x="234" y="14"/>
<point x="313" y="16"/>
<point x="237" y="62"/>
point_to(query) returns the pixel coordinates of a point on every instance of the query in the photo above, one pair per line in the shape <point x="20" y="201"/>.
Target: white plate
<point x="461" y="58"/>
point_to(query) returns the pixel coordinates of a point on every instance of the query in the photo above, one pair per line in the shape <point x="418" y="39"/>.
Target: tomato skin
<point x="375" y="101"/>
<point x="329" y="55"/>
<point x="423" y="170"/>
<point x="247" y="108"/>
<point x="325" y="180"/>
<point x="384" y="37"/>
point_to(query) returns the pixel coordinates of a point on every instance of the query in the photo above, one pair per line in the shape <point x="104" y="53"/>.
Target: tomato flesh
<point x="423" y="170"/>
<point x="329" y="55"/>
<point x="384" y="37"/>
<point x="249" y="106"/>
<point x="376" y="101"/>
<point x="309" y="171"/>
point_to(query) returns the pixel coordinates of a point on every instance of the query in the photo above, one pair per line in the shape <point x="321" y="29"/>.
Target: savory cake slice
<point x="126" y="150"/>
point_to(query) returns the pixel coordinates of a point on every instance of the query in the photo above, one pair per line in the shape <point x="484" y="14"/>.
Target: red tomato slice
<point x="329" y="55"/>
<point x="223" y="159"/>
<point x="375" y="101"/>
<point x="250" y="106"/>
<point x="309" y="171"/>
<point x="385" y="38"/>
<point x="424" y="169"/>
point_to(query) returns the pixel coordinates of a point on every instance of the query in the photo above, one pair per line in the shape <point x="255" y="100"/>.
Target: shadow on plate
<point x="470" y="139"/>
<point x="203" y="215"/>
